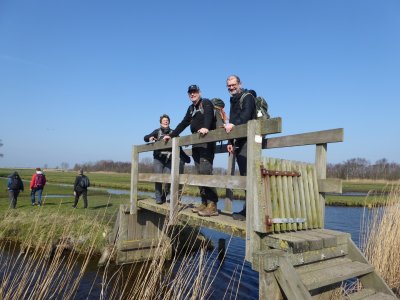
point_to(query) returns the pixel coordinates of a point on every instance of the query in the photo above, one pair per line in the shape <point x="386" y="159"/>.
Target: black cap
<point x="193" y="87"/>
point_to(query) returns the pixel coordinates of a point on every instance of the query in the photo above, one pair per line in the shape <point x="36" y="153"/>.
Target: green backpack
<point x="261" y="106"/>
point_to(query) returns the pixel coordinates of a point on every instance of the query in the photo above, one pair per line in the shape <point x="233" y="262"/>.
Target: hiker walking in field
<point x="14" y="186"/>
<point x="37" y="184"/>
<point x="81" y="185"/>
<point x="200" y="117"/>
<point x="242" y="110"/>
<point x="162" y="159"/>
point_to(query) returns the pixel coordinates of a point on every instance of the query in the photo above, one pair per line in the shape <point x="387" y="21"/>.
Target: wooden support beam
<point x="320" y="168"/>
<point x="173" y="205"/>
<point x="219" y="181"/>
<point x="331" y="185"/>
<point x="134" y="180"/>
<point x="303" y="139"/>
<point x="268" y="126"/>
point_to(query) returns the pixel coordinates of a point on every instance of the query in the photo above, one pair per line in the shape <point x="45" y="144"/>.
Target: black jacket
<point x="239" y="116"/>
<point x="77" y="186"/>
<point x="158" y="134"/>
<point x="199" y="116"/>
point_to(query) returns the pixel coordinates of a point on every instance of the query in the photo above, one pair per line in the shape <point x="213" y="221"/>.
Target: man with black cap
<point x="80" y="188"/>
<point x="242" y="109"/>
<point x="200" y="117"/>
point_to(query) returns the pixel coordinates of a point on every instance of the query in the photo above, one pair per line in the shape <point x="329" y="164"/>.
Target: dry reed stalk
<point x="44" y="271"/>
<point x="380" y="238"/>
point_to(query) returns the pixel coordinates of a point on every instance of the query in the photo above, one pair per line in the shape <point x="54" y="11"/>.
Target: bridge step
<point x="369" y="294"/>
<point x="331" y="271"/>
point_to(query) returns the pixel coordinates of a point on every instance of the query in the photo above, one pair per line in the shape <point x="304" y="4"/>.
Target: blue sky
<point x="82" y="81"/>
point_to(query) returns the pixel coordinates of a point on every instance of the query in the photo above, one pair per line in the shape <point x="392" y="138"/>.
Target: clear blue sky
<point x="82" y="81"/>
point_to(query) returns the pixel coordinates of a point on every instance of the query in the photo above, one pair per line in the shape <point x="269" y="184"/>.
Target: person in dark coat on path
<point x="81" y="185"/>
<point x="14" y="187"/>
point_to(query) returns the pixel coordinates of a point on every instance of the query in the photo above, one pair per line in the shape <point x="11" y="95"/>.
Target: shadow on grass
<point x="102" y="206"/>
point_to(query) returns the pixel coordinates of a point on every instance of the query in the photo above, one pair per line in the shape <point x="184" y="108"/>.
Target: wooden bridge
<point x="284" y="229"/>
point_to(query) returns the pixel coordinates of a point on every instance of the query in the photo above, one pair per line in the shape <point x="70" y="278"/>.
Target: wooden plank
<point x="310" y="138"/>
<point x="320" y="168"/>
<point x="274" y="195"/>
<point x="223" y="223"/>
<point x="286" y="200"/>
<point x="287" y="242"/>
<point x="312" y="256"/>
<point x="341" y="237"/>
<point x="305" y="189"/>
<point x="316" y="197"/>
<point x="290" y="282"/>
<point x="138" y="244"/>
<point x="331" y="185"/>
<point x="281" y="200"/>
<point x="332" y="271"/>
<point x="267" y="126"/>
<point x="296" y="197"/>
<point x="134" y="180"/>
<point x="266" y="183"/>
<point x="219" y="181"/>
<point x="228" y="191"/>
<point x="314" y="242"/>
<point x="253" y="179"/>
<point x="372" y="280"/>
<point x="173" y="205"/>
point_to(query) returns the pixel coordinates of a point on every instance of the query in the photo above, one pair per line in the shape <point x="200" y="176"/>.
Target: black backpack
<point x="15" y="183"/>
<point x="84" y="183"/>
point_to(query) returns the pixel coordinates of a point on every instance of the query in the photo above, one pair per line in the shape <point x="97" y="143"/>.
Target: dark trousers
<point x="162" y="167"/>
<point x="13" y="196"/>
<point x="203" y="156"/>
<point x="241" y="156"/>
<point x="84" y="196"/>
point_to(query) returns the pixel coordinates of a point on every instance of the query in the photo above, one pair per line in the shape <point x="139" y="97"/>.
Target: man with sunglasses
<point x="200" y="117"/>
<point x="240" y="113"/>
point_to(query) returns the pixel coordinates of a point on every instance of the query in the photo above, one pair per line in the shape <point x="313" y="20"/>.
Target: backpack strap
<point x="242" y="98"/>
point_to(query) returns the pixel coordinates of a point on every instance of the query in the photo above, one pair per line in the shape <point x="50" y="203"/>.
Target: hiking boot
<point x="159" y="200"/>
<point x="240" y="216"/>
<point x="33" y="204"/>
<point x="211" y="210"/>
<point x="201" y="207"/>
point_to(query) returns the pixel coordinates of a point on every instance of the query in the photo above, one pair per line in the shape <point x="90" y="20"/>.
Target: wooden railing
<point x="260" y="205"/>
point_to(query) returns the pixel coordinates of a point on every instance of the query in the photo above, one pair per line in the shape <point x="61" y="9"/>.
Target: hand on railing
<point x="203" y="131"/>
<point x="228" y="127"/>
<point x="166" y="138"/>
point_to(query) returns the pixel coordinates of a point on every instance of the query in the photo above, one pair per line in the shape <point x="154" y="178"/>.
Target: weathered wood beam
<point x="303" y="139"/>
<point x="219" y="181"/>
<point x="330" y="185"/>
<point x="268" y="126"/>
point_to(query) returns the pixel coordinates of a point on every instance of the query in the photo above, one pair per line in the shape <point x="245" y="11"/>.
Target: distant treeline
<point x="355" y="168"/>
<point x="360" y="168"/>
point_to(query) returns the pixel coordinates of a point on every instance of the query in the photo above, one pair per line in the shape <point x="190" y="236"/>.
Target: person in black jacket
<point x="162" y="159"/>
<point x="242" y="110"/>
<point x="81" y="185"/>
<point x="200" y="117"/>
<point x="14" y="186"/>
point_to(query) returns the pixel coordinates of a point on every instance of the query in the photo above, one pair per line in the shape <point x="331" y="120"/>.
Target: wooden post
<point x="134" y="180"/>
<point x="255" y="211"/>
<point x="320" y="167"/>
<point x="173" y="205"/>
<point x="229" y="192"/>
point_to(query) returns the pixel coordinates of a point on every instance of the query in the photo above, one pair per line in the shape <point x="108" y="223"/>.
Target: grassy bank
<point x="57" y="215"/>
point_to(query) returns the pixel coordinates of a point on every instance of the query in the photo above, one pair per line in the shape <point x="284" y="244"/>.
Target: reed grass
<point x="380" y="238"/>
<point x="51" y="261"/>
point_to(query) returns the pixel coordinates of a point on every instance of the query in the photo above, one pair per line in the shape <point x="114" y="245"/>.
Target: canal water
<point x="233" y="278"/>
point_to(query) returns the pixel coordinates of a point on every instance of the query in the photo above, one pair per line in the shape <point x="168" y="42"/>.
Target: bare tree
<point x="1" y="144"/>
